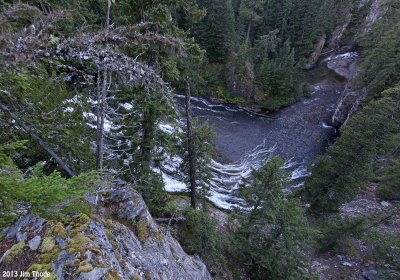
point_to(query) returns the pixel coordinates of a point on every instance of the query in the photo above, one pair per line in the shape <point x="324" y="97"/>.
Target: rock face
<point x="120" y="241"/>
<point x="346" y="65"/>
<point x="312" y="61"/>
<point x="377" y="10"/>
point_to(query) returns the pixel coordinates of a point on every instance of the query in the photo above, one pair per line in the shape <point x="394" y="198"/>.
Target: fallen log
<point x="64" y="167"/>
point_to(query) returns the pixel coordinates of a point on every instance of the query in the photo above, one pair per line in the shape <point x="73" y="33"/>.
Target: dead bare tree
<point x="190" y="147"/>
<point x="102" y="49"/>
<point x="108" y="14"/>
<point x="101" y="114"/>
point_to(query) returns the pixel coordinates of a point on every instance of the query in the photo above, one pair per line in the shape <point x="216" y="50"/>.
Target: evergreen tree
<point x="43" y="102"/>
<point x="250" y="12"/>
<point x="215" y="32"/>
<point x="277" y="78"/>
<point x="380" y="69"/>
<point x="273" y="234"/>
<point x="203" y="141"/>
<point x="348" y="165"/>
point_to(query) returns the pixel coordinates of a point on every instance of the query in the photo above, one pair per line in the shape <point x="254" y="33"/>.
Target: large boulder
<point x="120" y="241"/>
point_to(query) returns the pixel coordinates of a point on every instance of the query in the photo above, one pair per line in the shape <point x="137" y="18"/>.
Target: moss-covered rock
<point x="40" y="267"/>
<point x="50" y="256"/>
<point x="112" y="275"/>
<point x="48" y="244"/>
<point x="83" y="219"/>
<point x="84" y="267"/>
<point x="14" y="252"/>
<point x="59" y="230"/>
<point x="80" y="224"/>
<point x="109" y="224"/>
<point x="142" y="230"/>
<point x="80" y="244"/>
<point x="102" y="247"/>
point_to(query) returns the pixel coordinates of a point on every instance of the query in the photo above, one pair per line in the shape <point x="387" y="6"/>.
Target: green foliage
<point x="277" y="79"/>
<point x="159" y="12"/>
<point x="386" y="248"/>
<point x="203" y="140"/>
<point x="250" y="13"/>
<point x="380" y="67"/>
<point x="345" y="168"/>
<point x="335" y="230"/>
<point x="47" y="195"/>
<point x="18" y="17"/>
<point x="44" y="103"/>
<point x="358" y="16"/>
<point x="273" y="235"/>
<point x="301" y="22"/>
<point x="198" y="235"/>
<point x="135" y="134"/>
<point x="80" y="12"/>
<point x="215" y="32"/>
<point x="151" y="186"/>
<point x="388" y="179"/>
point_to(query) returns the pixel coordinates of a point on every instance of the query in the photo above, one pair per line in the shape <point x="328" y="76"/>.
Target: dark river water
<point x="297" y="133"/>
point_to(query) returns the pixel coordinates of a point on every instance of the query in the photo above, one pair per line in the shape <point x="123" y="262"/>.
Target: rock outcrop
<point x="347" y="65"/>
<point x="313" y="59"/>
<point x="120" y="240"/>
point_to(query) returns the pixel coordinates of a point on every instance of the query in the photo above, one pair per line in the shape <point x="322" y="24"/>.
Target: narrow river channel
<point x="297" y="133"/>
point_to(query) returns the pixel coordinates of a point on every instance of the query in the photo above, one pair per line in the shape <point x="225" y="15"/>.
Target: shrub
<point x="151" y="187"/>
<point x="198" y="235"/>
<point x="49" y="196"/>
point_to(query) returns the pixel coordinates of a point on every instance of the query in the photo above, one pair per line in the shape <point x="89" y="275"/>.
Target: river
<point x="297" y="133"/>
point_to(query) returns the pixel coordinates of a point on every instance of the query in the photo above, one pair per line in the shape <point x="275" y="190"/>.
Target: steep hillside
<point x="119" y="241"/>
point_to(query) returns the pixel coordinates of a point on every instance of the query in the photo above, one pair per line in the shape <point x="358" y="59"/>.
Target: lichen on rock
<point x="59" y="231"/>
<point x="15" y="251"/>
<point x="84" y="267"/>
<point x="125" y="243"/>
<point x="48" y="244"/>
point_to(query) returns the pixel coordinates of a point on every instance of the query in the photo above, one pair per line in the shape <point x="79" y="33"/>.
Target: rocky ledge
<point x="119" y="241"/>
<point x="346" y="65"/>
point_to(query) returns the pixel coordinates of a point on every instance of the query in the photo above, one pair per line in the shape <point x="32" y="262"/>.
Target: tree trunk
<point x="64" y="167"/>
<point x="101" y="112"/>
<point x="147" y="139"/>
<point x="108" y="14"/>
<point x="148" y="123"/>
<point x="190" y="143"/>
<point x="248" y="33"/>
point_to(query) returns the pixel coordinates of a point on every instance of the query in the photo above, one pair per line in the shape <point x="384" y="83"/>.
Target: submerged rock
<point x="123" y="242"/>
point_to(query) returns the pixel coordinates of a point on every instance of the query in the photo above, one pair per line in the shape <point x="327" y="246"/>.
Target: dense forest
<point x="99" y="117"/>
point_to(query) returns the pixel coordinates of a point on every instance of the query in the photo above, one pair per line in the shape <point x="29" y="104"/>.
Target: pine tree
<point x="348" y="165"/>
<point x="250" y="12"/>
<point x="203" y="142"/>
<point x="274" y="232"/>
<point x="215" y="32"/>
<point x="277" y="78"/>
<point x="381" y="67"/>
